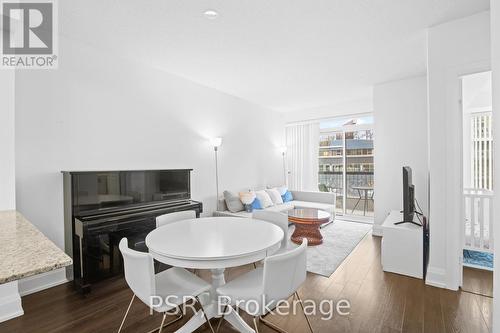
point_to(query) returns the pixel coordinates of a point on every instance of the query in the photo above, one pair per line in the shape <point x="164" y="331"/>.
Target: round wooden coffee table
<point x="307" y="222"/>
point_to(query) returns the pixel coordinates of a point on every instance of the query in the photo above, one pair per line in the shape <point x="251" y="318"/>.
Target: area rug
<point x="477" y="258"/>
<point x="339" y="240"/>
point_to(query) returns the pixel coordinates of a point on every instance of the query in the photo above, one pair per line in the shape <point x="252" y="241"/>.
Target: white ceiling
<point x="283" y="54"/>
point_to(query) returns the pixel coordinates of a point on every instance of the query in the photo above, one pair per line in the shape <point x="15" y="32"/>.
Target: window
<point x="481" y="151"/>
<point x="346" y="163"/>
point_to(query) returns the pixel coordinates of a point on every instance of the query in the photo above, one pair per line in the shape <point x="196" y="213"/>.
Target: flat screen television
<point x="408" y="195"/>
<point x="409" y="212"/>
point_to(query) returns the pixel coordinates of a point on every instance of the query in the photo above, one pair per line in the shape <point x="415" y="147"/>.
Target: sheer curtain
<point x="302" y="141"/>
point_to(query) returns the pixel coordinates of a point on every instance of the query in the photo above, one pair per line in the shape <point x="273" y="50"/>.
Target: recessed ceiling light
<point x="211" y="14"/>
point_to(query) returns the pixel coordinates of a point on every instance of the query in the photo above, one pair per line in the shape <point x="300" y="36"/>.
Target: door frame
<point x="454" y="238"/>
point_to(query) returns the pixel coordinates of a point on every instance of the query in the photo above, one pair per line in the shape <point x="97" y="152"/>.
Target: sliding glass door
<point x="331" y="165"/>
<point x="346" y="164"/>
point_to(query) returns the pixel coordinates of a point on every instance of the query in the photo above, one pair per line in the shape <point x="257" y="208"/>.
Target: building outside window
<point x="477" y="132"/>
<point x="346" y="163"/>
<point x="481" y="151"/>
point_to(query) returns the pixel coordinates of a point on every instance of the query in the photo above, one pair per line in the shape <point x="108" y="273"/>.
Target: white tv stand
<point x="402" y="246"/>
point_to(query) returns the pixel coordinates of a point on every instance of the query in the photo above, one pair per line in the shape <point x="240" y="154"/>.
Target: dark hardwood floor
<point x="478" y="281"/>
<point x="381" y="302"/>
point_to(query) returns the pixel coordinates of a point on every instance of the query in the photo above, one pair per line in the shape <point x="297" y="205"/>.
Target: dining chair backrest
<point x="139" y="271"/>
<point x="174" y="217"/>
<point x="284" y="273"/>
<point x="277" y="218"/>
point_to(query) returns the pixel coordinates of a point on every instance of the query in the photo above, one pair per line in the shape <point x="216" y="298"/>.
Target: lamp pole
<point x="284" y="168"/>
<point x="283" y="153"/>
<point x="216" y="143"/>
<point x="216" y="179"/>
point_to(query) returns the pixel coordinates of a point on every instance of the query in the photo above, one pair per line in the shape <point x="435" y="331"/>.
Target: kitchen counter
<point x="24" y="250"/>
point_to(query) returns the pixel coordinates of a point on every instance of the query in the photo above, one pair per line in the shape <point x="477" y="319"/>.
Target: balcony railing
<point x="477" y="232"/>
<point x="333" y="181"/>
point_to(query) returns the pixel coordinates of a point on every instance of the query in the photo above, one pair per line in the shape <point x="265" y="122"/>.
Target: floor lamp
<point x="283" y="153"/>
<point x="216" y="143"/>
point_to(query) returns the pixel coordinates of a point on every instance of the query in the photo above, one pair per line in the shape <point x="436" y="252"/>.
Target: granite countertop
<point x="24" y="250"/>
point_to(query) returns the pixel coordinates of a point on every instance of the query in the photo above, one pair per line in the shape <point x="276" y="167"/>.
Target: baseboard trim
<point x="10" y="301"/>
<point x="377" y="230"/>
<point x="436" y="277"/>
<point x="484" y="268"/>
<point x="13" y="315"/>
<point x="42" y="281"/>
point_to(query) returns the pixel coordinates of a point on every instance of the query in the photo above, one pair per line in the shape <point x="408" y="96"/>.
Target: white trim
<point x="10" y="301"/>
<point x="358" y="219"/>
<point x="42" y="281"/>
<point x="478" y="267"/>
<point x="450" y="275"/>
<point x="436" y="277"/>
<point x="479" y="109"/>
<point x="495" y="59"/>
<point x="13" y="315"/>
<point x="316" y="120"/>
<point x="347" y="128"/>
<point x="377" y="230"/>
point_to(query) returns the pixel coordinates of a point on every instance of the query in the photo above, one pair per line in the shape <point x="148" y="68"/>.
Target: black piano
<point x="102" y="207"/>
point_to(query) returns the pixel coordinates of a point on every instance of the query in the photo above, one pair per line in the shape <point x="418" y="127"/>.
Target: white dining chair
<point x="174" y="217"/>
<point x="178" y="282"/>
<point x="263" y="288"/>
<point x="277" y="218"/>
<point x="171" y="218"/>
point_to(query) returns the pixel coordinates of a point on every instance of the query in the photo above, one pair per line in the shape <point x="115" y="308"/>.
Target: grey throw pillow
<point x="233" y="202"/>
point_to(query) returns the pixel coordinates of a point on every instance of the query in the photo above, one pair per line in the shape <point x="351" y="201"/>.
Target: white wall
<point x="330" y="111"/>
<point x="495" y="64"/>
<point x="98" y="112"/>
<point x="454" y="49"/>
<point x="400" y="111"/>
<point x="7" y="153"/>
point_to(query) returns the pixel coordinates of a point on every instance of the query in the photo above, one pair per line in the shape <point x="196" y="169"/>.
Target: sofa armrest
<point x="320" y="197"/>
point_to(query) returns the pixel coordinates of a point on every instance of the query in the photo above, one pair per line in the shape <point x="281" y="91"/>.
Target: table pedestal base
<point x="309" y="231"/>
<point x="213" y="310"/>
<point x="307" y="222"/>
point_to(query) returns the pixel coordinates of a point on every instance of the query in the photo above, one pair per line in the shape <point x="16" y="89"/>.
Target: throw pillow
<point x="255" y="205"/>
<point x="247" y="198"/>
<point x="233" y="202"/>
<point x="275" y="196"/>
<point x="264" y="199"/>
<point x="282" y="189"/>
<point x="287" y="197"/>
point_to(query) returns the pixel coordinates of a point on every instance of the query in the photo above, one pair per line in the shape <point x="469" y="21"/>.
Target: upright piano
<point x="102" y="207"/>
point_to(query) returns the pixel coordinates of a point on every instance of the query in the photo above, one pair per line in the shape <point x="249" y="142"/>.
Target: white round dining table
<point x="214" y="243"/>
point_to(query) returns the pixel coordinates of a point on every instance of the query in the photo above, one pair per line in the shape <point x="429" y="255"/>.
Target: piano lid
<point x="94" y="191"/>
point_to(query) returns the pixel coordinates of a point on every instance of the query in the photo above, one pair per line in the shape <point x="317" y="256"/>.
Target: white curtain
<point x="302" y="141"/>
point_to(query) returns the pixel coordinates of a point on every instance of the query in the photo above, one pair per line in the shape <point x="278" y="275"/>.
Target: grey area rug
<point x="339" y="240"/>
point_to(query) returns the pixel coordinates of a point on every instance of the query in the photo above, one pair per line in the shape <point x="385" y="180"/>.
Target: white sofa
<point x="301" y="199"/>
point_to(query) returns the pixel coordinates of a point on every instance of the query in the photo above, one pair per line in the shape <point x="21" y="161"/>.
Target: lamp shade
<point x="283" y="149"/>
<point x="216" y="142"/>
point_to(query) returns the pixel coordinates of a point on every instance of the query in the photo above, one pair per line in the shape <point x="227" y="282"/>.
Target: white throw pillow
<point x="275" y="196"/>
<point x="264" y="199"/>
<point x="247" y="197"/>
<point x="282" y="189"/>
